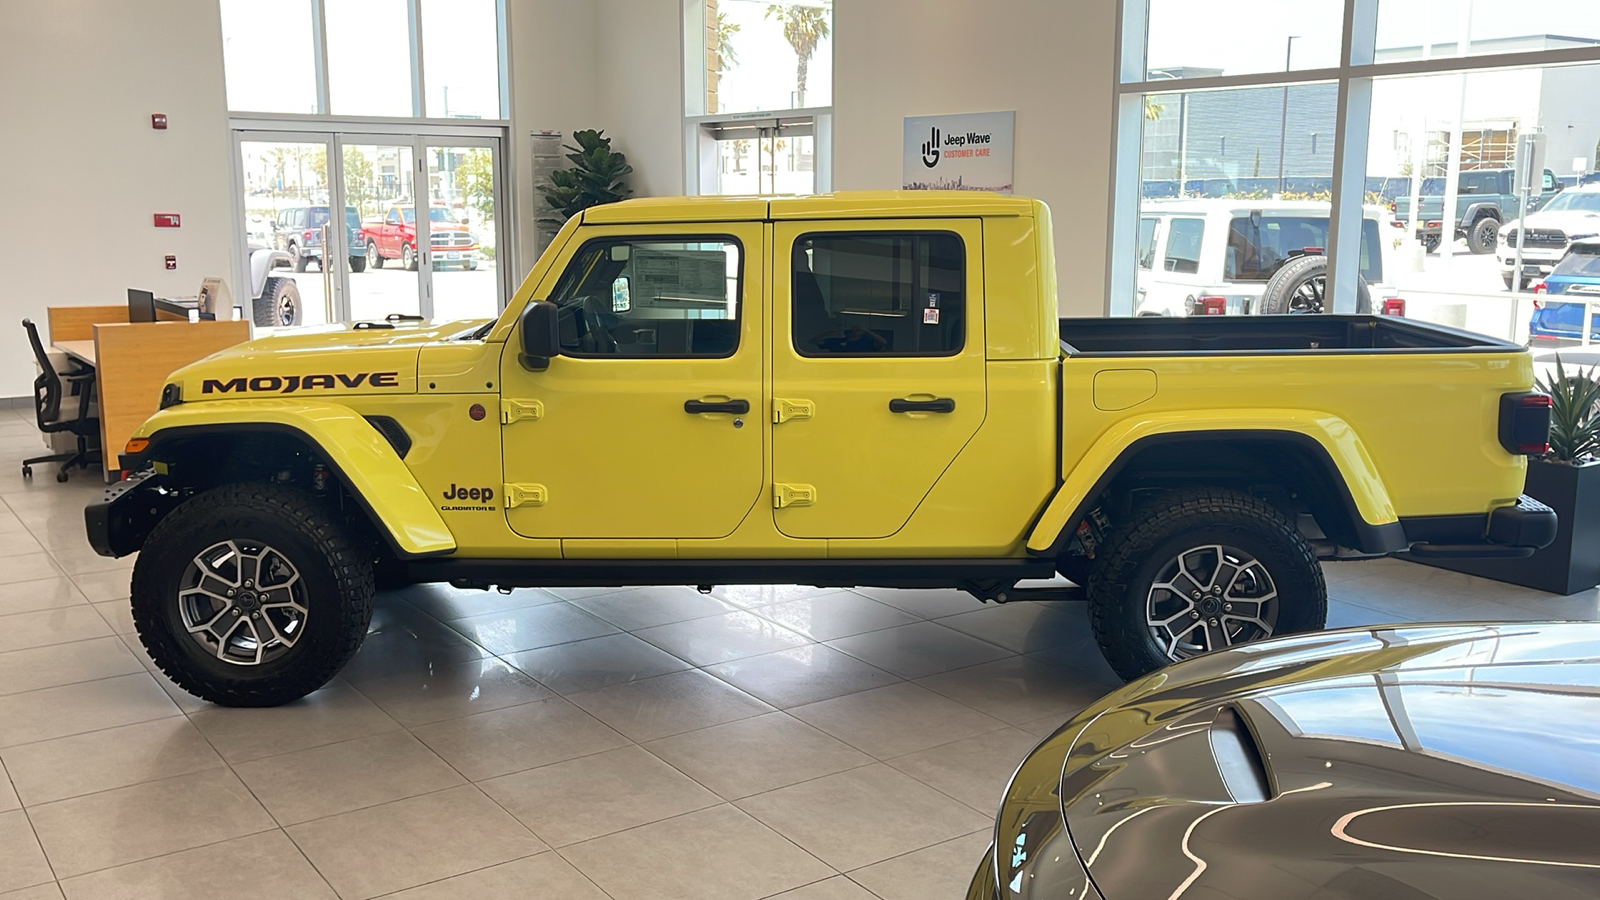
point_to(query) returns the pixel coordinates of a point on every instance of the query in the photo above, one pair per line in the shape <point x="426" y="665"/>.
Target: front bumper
<point x="1511" y="532"/>
<point x="119" y="521"/>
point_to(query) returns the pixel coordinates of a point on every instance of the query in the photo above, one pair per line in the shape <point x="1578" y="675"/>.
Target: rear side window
<point x="879" y="294"/>
<point x="1147" y="243"/>
<point x="1258" y="245"/>
<point x="648" y="297"/>
<point x="1583" y="260"/>
<point x="1183" y="245"/>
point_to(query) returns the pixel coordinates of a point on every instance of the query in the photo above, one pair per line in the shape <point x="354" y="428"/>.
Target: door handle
<point x="737" y="407"/>
<point x="941" y="405"/>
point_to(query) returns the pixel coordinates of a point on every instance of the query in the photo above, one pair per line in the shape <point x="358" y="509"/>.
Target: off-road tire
<point x="308" y="533"/>
<point x="1166" y="525"/>
<point x="300" y="262"/>
<point x="279" y="304"/>
<point x="1484" y="235"/>
<point x="374" y="255"/>
<point x="358" y="263"/>
<point x="1430" y="243"/>
<point x="1309" y="273"/>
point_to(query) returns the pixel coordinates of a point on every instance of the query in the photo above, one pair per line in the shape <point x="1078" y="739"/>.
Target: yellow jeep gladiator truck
<point x="850" y="389"/>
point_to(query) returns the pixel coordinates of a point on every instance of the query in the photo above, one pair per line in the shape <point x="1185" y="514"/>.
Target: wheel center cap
<point x="1210" y="606"/>
<point x="247" y="600"/>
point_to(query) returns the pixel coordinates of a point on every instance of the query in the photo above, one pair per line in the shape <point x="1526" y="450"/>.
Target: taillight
<point x="1538" y="304"/>
<point x="1396" y="223"/>
<point x="1525" y="423"/>
<point x="1313" y="251"/>
<point x="1434" y="224"/>
<point x="1539" y="287"/>
<point x="308" y="234"/>
<point x="1394" y="306"/>
<point x="1213" y="306"/>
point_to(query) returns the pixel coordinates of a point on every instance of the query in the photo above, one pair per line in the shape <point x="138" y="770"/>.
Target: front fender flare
<point x="1333" y="434"/>
<point x="361" y="457"/>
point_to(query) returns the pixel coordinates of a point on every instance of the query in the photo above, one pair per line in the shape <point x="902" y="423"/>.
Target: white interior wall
<point x="83" y="170"/>
<point x="1051" y="62"/>
<point x="640" y="59"/>
<point x="553" y="88"/>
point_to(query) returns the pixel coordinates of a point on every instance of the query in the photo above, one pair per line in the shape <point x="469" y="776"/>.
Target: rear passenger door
<point x="877" y="368"/>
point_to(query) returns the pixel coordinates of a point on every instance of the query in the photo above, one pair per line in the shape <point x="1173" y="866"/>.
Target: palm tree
<point x="804" y="27"/>
<point x="727" y="57"/>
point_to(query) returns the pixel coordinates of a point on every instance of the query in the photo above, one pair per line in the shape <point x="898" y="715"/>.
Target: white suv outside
<point x="1572" y="215"/>
<point x="1190" y="250"/>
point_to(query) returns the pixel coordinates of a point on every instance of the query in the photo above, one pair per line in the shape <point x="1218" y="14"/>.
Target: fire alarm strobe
<point x="172" y="262"/>
<point x="158" y="121"/>
<point x="167" y="220"/>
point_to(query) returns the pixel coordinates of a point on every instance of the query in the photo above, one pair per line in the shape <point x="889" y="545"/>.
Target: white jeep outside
<point x="1572" y="215"/>
<point x="1196" y="255"/>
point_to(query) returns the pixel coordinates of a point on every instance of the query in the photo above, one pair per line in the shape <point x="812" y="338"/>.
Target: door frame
<point x="335" y="134"/>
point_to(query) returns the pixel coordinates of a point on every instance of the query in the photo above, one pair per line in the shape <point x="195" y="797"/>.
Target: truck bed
<point x="1223" y="335"/>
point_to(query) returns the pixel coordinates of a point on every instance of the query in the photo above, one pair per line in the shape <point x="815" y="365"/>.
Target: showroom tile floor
<point x="632" y="744"/>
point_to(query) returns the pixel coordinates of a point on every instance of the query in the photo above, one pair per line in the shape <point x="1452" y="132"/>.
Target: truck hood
<point x="1571" y="221"/>
<point x="322" y="361"/>
<point x="1422" y="762"/>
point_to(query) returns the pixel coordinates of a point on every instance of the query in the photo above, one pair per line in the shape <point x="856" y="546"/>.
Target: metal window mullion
<point x="1127" y="117"/>
<point x="503" y="47"/>
<point x="414" y="24"/>
<point x="422" y="202"/>
<point x="1435" y="66"/>
<point x="1352" y="122"/>
<point x="319" y="25"/>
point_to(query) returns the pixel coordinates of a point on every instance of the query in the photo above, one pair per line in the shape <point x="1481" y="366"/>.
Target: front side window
<point x="647" y="297"/>
<point x="879" y="294"/>
<point x="1183" y="245"/>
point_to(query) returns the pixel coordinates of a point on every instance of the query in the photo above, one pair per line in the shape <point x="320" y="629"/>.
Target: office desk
<point x="133" y="359"/>
<point x="82" y="351"/>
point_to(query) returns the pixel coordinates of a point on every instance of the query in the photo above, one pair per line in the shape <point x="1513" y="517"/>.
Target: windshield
<point x="1257" y="246"/>
<point x="435" y="214"/>
<point x="1583" y="259"/>
<point x="1586" y="201"/>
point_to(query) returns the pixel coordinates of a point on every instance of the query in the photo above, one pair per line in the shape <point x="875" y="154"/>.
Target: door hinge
<point x="784" y="410"/>
<point x="785" y="495"/>
<point x="514" y="410"/>
<point x="525" y="495"/>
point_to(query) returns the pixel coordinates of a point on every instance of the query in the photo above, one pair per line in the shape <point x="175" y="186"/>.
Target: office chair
<point x="49" y="390"/>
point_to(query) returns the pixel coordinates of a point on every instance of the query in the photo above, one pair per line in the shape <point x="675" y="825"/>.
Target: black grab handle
<point x="737" y="407"/>
<point x="941" y="405"/>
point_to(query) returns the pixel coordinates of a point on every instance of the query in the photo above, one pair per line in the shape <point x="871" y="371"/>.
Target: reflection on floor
<point x="650" y="743"/>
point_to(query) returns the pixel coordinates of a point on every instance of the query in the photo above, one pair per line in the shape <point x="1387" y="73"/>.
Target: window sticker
<point x="930" y="317"/>
<point x="933" y="299"/>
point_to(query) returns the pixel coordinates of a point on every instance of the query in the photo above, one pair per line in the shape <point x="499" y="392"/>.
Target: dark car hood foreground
<point x="1430" y="762"/>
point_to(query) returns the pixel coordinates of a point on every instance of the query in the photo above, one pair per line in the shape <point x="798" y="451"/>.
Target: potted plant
<point x="595" y="178"/>
<point x="1567" y="479"/>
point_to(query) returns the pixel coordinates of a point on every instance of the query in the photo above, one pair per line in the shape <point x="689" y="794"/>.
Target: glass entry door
<point x="285" y="206"/>
<point x="380" y="184"/>
<point x="764" y="157"/>
<point x="418" y="235"/>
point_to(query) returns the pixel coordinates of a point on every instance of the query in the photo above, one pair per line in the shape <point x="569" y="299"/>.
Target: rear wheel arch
<point x="1294" y="466"/>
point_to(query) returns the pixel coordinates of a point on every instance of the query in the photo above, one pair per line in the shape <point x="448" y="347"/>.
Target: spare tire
<point x="1299" y="286"/>
<point x="279" y="303"/>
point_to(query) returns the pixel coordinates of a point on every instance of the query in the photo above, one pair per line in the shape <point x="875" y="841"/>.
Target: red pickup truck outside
<point x="394" y="236"/>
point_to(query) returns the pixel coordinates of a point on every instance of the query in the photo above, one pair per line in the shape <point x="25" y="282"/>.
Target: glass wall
<point x="1269" y="160"/>
<point x="749" y="57"/>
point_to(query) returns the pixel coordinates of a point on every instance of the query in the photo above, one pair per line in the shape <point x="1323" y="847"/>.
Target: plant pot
<point x="1572" y="563"/>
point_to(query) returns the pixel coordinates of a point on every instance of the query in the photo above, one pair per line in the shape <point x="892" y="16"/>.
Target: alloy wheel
<point x="243" y="602"/>
<point x="1208" y="598"/>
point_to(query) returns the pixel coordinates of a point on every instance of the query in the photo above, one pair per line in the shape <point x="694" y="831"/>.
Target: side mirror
<point x="541" y="336"/>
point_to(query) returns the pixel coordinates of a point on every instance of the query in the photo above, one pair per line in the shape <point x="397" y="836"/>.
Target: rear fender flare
<point x="363" y="460"/>
<point x="1343" y="447"/>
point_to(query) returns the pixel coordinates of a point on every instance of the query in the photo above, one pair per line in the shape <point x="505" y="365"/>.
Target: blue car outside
<point x="1569" y="290"/>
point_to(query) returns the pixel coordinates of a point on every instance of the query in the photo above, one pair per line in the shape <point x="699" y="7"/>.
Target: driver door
<point x="648" y="425"/>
